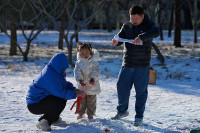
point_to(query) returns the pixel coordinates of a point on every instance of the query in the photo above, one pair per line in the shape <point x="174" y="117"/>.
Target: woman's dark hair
<point x="136" y="10"/>
<point x="84" y="46"/>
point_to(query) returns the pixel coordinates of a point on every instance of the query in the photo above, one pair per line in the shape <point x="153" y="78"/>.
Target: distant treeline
<point x="35" y="16"/>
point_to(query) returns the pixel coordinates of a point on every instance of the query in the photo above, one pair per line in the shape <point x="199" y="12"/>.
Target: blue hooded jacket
<point x="51" y="81"/>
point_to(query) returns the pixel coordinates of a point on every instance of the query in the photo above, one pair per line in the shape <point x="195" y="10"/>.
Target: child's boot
<point x="80" y="116"/>
<point x="90" y="117"/>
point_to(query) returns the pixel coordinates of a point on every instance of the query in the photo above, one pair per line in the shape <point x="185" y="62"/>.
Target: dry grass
<point x="166" y="50"/>
<point x="13" y="67"/>
<point x="40" y="52"/>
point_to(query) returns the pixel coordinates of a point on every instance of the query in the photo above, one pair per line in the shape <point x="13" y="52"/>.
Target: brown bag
<point x="152" y="76"/>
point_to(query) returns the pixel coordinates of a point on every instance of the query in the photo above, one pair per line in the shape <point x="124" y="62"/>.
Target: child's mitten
<point x="92" y="81"/>
<point x="82" y="83"/>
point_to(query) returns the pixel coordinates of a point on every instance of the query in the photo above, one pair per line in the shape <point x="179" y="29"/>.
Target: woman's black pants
<point x="51" y="107"/>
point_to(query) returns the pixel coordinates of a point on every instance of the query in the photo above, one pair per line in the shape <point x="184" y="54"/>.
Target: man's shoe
<point x="119" y="116"/>
<point x="138" y="122"/>
<point x="43" y="125"/>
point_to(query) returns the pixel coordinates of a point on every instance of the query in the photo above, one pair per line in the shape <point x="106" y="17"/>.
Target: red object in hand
<point x="92" y="83"/>
<point x="78" y="101"/>
<point x="82" y="84"/>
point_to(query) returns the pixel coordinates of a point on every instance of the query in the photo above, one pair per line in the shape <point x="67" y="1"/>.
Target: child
<point x="48" y="93"/>
<point x="87" y="72"/>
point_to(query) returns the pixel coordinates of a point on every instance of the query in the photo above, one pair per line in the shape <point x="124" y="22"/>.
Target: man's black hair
<point x="136" y="10"/>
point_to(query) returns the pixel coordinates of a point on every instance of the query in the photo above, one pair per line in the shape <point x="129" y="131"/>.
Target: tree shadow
<point x="187" y="88"/>
<point x="94" y="126"/>
<point x="100" y="125"/>
<point x="150" y="127"/>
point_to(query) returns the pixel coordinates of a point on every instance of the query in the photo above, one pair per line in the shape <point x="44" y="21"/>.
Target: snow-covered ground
<point x="173" y="104"/>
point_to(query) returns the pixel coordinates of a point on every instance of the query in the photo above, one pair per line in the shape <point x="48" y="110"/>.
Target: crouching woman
<point x="48" y="93"/>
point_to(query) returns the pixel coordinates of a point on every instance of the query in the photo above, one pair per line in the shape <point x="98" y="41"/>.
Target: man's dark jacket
<point x="136" y="56"/>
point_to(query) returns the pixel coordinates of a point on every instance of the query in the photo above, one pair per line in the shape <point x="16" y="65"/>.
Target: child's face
<point x="84" y="53"/>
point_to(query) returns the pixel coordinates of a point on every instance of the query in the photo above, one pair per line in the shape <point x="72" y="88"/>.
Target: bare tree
<point x="13" y="37"/>
<point x="108" y="15"/>
<point x="151" y="7"/>
<point x="29" y="14"/>
<point x="194" y="17"/>
<point x="159" y="19"/>
<point x="62" y="29"/>
<point x="177" y="27"/>
<point x="86" y="22"/>
<point x="71" y="7"/>
<point x="157" y="10"/>
<point x="171" y="18"/>
<point x="8" y="19"/>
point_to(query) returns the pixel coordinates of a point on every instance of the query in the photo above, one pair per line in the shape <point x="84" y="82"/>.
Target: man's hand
<point x="114" y="42"/>
<point x="137" y="41"/>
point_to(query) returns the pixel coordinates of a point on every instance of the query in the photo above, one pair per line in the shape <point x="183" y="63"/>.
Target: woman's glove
<point x="92" y="81"/>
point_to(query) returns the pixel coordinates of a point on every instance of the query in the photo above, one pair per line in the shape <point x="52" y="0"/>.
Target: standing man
<point x="136" y="62"/>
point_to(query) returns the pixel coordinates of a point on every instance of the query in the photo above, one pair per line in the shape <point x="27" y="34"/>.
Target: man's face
<point x="136" y="19"/>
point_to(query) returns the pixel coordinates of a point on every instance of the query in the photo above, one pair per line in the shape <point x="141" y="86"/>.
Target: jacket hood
<point x="94" y="56"/>
<point x="59" y="62"/>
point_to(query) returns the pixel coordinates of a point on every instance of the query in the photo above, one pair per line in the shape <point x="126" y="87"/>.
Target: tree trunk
<point x="2" y="29"/>
<point x="101" y="21"/>
<point x="108" y="16"/>
<point x="13" y="38"/>
<point x="69" y="47"/>
<point x="187" y="17"/>
<point x="159" y="21"/>
<point x="117" y="15"/>
<point x="25" y="54"/>
<point x="84" y="13"/>
<point x="25" y="57"/>
<point x="195" y="33"/>
<point x="62" y="30"/>
<point x="195" y="20"/>
<point x="177" y="28"/>
<point x="69" y="50"/>
<point x="117" y="24"/>
<point x="171" y="22"/>
<point x="99" y="18"/>
<point x="159" y="55"/>
<point x="76" y="27"/>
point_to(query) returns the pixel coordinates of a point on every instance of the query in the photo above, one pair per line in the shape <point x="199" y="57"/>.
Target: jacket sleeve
<point x="153" y="32"/>
<point x="59" y="87"/>
<point x="69" y="85"/>
<point x="77" y="72"/>
<point x="96" y="71"/>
